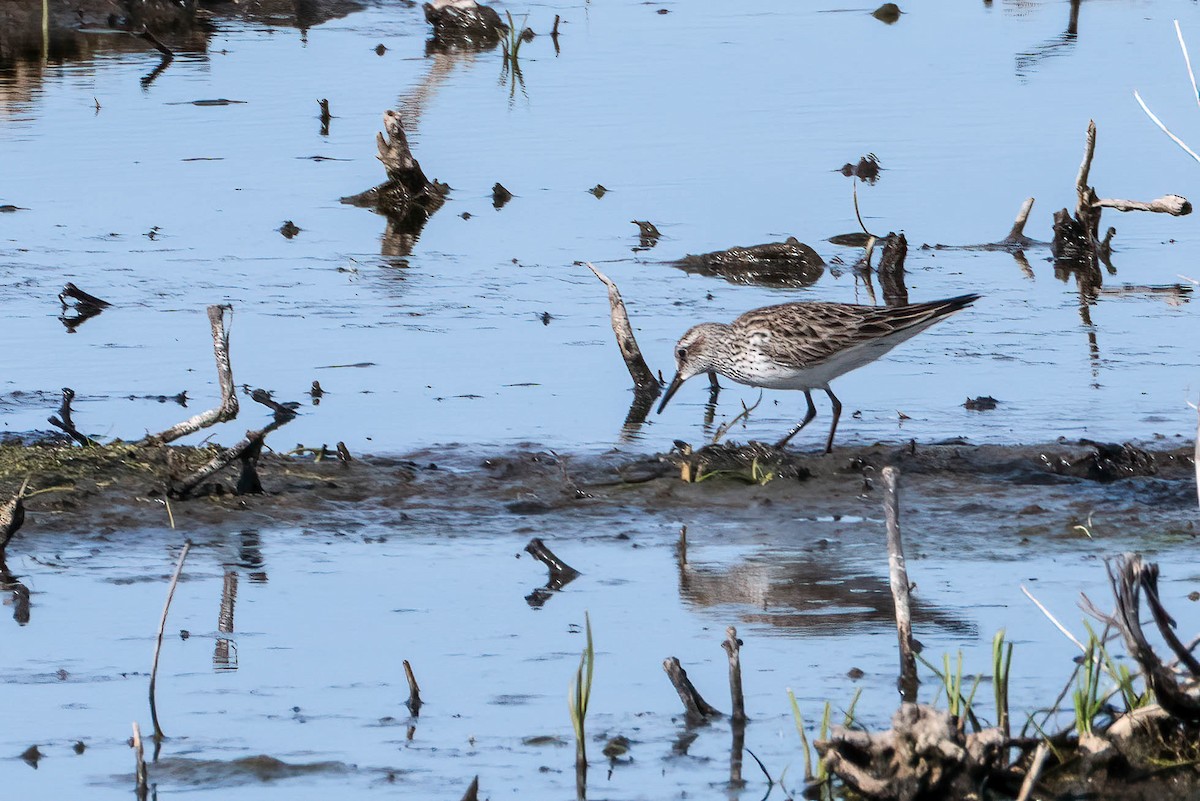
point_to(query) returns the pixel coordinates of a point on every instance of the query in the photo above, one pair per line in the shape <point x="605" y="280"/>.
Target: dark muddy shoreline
<point x="1031" y="491"/>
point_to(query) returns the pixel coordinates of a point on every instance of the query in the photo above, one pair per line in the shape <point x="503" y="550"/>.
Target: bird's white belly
<point x="760" y="371"/>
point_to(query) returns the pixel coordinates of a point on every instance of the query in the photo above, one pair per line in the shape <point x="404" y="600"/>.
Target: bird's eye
<point x="681" y="353"/>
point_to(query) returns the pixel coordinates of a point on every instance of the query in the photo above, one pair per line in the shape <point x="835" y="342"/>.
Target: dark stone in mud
<point x="776" y="264"/>
<point x="464" y="24"/>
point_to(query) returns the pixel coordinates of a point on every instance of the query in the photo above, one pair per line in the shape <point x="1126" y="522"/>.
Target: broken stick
<point x="732" y="646"/>
<point x="12" y="516"/>
<point x="561" y="574"/>
<point x="643" y="379"/>
<point x="414" y="691"/>
<point x="898" y="578"/>
<point x="228" y="408"/>
<point x="698" y="710"/>
<point x="63" y="419"/>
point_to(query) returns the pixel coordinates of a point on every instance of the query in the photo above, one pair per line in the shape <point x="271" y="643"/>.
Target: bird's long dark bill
<point x="676" y="383"/>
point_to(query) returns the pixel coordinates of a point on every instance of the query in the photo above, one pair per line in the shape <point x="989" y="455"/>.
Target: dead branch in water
<point x="1077" y="239"/>
<point x="898" y="578"/>
<point x="643" y="379"/>
<point x="698" y="710"/>
<point x="247" y="451"/>
<point x="414" y="691"/>
<point x="472" y="793"/>
<point x="228" y="408"/>
<point x="733" y="646"/>
<point x="141" y="780"/>
<point x="162" y="626"/>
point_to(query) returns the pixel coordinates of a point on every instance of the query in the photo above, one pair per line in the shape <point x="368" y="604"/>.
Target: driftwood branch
<point x="228" y="408"/>
<point x="141" y="780"/>
<point x="643" y="379"/>
<point x="1174" y="205"/>
<point x="698" y="710"/>
<point x="247" y="451"/>
<point x="1129" y="577"/>
<point x="1017" y="235"/>
<point x="472" y="793"/>
<point x="898" y="578"/>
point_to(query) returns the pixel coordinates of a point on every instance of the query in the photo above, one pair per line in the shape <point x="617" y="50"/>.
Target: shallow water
<point x="723" y="127"/>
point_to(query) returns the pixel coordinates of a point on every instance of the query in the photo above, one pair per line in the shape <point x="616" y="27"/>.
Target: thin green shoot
<point x="580" y="693"/>
<point x="1001" y="664"/>
<point x="808" y="772"/>
<point x="849" y="721"/>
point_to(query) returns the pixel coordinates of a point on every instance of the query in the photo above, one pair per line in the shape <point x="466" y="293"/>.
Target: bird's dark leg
<point x="808" y="417"/>
<point x="710" y="408"/>
<point x="837" y="412"/>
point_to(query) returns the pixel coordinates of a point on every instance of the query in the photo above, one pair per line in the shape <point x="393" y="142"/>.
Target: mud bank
<point x="1028" y="492"/>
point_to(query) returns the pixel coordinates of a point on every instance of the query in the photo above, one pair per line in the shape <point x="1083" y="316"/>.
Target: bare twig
<point x="1053" y="619"/>
<point x="162" y="627"/>
<point x="898" y="578"/>
<point x="1081" y="180"/>
<point x="723" y="429"/>
<point x="643" y="379"/>
<point x="228" y="408"/>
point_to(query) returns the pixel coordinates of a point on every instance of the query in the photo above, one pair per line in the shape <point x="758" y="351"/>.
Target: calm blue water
<point x="723" y="126"/>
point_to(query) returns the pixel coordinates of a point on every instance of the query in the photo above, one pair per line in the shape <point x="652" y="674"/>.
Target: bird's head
<point x="694" y="354"/>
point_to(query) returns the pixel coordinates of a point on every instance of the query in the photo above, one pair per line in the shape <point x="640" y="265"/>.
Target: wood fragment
<point x="898" y="579"/>
<point x="141" y="779"/>
<point x="162" y="627"/>
<point x="414" y="691"/>
<point x="698" y="710"/>
<point x="1016" y="236"/>
<point x="1174" y="205"/>
<point x="732" y="646"/>
<point x="228" y="408"/>
<point x="80" y="298"/>
<point x="144" y="33"/>
<point x="643" y="379"/>
<point x="472" y="793"/>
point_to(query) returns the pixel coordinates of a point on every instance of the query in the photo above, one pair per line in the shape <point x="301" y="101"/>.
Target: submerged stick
<point x="162" y="626"/>
<point x="228" y="408"/>
<point x="732" y="646"/>
<point x="414" y="691"/>
<point x="643" y="378"/>
<point x="141" y="779"/>
<point x="698" y="710"/>
<point x="898" y="578"/>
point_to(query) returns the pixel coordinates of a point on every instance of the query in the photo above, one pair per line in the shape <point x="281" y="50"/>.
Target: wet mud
<point x="1042" y="490"/>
